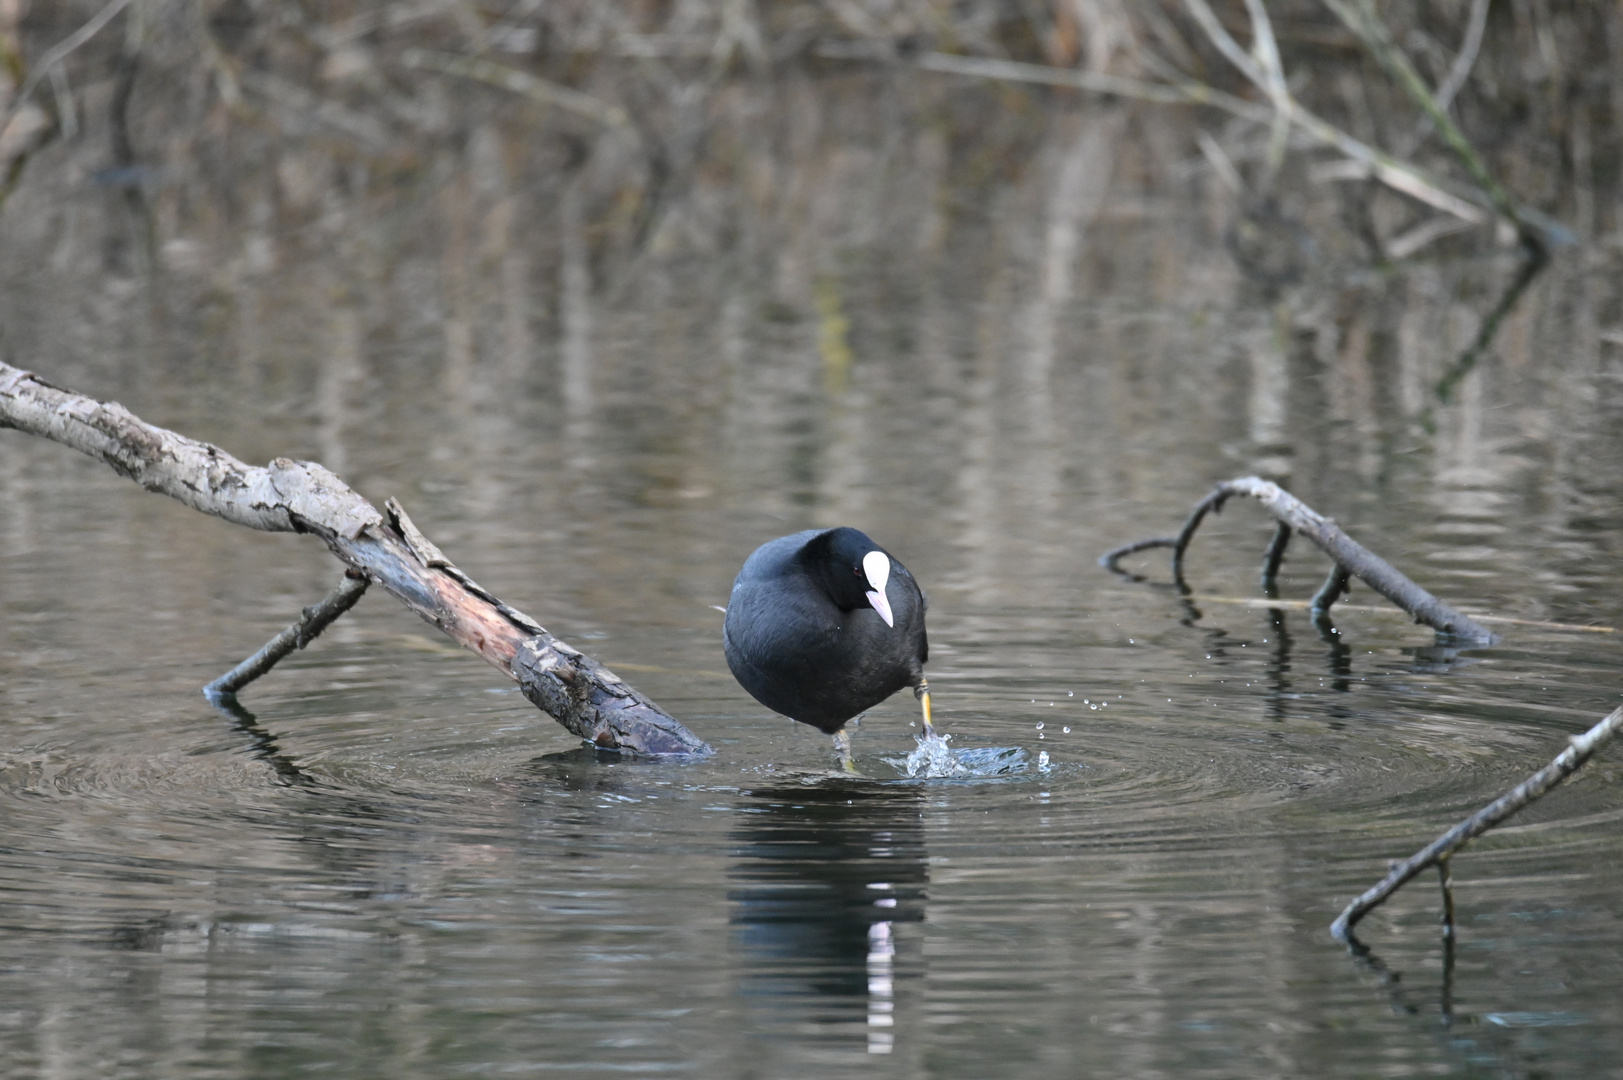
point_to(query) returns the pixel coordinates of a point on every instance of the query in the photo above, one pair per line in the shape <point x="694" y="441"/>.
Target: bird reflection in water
<point x="823" y="878"/>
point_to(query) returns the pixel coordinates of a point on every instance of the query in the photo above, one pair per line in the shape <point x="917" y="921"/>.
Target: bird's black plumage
<point x="803" y="637"/>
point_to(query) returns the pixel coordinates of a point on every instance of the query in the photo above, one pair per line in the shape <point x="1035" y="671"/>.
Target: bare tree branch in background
<point x="57" y="54"/>
<point x="1475" y="26"/>
<point x="1360" y="17"/>
<point x="1285" y="111"/>
<point x="520" y="82"/>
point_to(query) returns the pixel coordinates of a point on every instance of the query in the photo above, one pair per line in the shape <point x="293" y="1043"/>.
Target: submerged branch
<point x="1580" y="749"/>
<point x="302" y="496"/>
<point x="1333" y="589"/>
<point x="1274" y="556"/>
<point x="1350" y="556"/>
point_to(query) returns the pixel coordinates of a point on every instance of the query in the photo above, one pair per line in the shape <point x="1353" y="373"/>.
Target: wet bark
<point x="1351" y="557"/>
<point x="303" y="496"/>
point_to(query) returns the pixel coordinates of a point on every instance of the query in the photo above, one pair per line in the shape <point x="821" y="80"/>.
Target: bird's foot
<point x="842" y="746"/>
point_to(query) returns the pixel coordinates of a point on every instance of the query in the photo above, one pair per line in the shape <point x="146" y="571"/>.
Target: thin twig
<point x="1275" y="555"/>
<point x="1109" y="559"/>
<point x="1187" y="92"/>
<point x="520" y="82"/>
<point x="312" y="621"/>
<point x="1220" y="162"/>
<point x="1212" y="503"/>
<point x="1359" y="16"/>
<point x="1402" y="176"/>
<point x="1333" y="589"/>
<point x="1398" y="175"/>
<point x="1260" y="602"/>
<point x="1451" y="85"/>
<point x="1458" y="72"/>
<point x="1579" y="750"/>
<point x="1266" y="52"/>
<point x="1445" y="881"/>
<point x="57" y="53"/>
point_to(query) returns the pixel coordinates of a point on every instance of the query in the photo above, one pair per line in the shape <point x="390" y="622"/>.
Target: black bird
<point x="824" y="625"/>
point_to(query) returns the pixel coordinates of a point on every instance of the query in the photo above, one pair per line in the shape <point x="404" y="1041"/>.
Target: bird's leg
<point x="922" y="692"/>
<point x="842" y="746"/>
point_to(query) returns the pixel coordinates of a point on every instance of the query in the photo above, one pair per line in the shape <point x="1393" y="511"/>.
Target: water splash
<point x="935" y="759"/>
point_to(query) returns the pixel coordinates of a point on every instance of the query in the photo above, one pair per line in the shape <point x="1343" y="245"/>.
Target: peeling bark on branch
<point x="1350" y="556"/>
<point x="302" y="496"/>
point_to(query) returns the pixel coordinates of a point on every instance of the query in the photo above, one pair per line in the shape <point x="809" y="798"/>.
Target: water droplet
<point x="1070" y="693"/>
<point x="1066" y="730"/>
<point x="1039" y="725"/>
<point x="1042" y="762"/>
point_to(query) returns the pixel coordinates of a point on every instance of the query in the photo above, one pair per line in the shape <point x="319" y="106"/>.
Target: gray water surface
<point x="398" y="867"/>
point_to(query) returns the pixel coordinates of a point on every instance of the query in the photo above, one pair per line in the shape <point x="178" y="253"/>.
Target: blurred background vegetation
<point x="701" y="126"/>
<point x="633" y="216"/>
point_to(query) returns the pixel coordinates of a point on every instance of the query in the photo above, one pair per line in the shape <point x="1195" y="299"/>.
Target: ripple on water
<point x="56" y="773"/>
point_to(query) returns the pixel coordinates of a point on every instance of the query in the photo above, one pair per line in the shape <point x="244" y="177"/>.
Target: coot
<point x="823" y="625"/>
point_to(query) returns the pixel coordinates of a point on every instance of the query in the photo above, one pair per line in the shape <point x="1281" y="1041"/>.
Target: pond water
<point x="398" y="867"/>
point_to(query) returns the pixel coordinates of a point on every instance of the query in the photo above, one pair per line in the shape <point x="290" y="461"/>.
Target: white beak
<point x="877" y="568"/>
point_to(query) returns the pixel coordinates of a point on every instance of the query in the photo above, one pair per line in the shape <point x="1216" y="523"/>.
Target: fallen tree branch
<point x="1579" y="750"/>
<point x="1350" y="556"/>
<point x="302" y="496"/>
